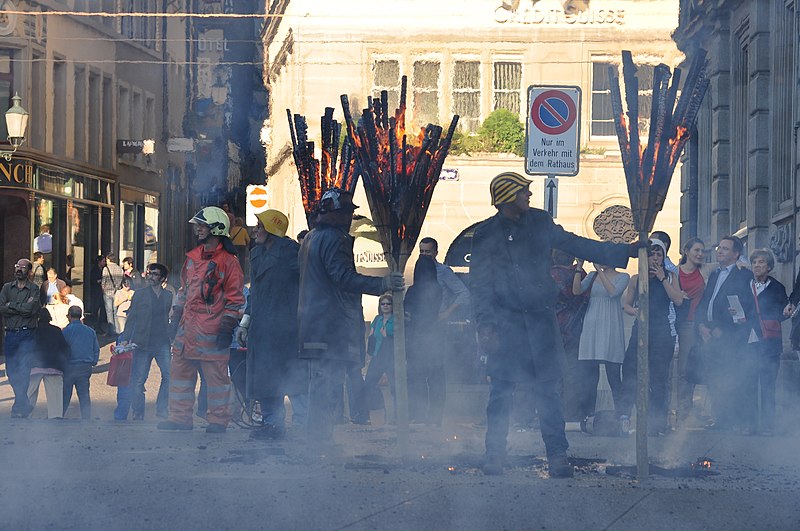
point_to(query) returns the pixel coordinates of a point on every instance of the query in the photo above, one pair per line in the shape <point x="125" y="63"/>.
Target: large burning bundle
<point x="335" y="169"/>
<point x="399" y="174"/>
<point x="399" y="178"/>
<point x="648" y="170"/>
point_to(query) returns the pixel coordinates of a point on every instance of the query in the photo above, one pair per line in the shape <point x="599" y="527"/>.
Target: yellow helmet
<point x="275" y="222"/>
<point x="214" y="218"/>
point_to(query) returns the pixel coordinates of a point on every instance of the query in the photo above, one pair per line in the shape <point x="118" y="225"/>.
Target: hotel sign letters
<point x="16" y="173"/>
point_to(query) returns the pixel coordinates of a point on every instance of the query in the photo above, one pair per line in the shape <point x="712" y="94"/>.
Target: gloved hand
<point x="633" y="248"/>
<point x="225" y="334"/>
<point x="394" y="282"/>
<point x="241" y="332"/>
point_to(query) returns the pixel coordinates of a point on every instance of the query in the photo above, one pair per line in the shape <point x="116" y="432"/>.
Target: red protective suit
<point x="211" y="300"/>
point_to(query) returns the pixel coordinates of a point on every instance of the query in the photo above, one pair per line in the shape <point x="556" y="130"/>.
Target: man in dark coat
<point x="330" y="314"/>
<point x="269" y="327"/>
<point x="513" y="298"/>
<point x="148" y="327"/>
<point x="723" y="334"/>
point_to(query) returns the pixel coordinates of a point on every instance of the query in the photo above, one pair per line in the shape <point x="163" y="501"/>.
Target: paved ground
<point x="101" y="474"/>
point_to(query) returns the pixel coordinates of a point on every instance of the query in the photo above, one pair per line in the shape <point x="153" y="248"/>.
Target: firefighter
<point x="205" y="312"/>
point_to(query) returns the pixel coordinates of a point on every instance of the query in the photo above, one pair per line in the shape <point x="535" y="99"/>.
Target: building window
<point x="124" y="114"/>
<point x="108" y="117"/>
<point x="37" y="120"/>
<point x="59" y="107"/>
<point x="426" y="92"/>
<point x="386" y="76"/>
<point x="602" y="117"/>
<point x="6" y="87"/>
<point x="137" y="117"/>
<point x="704" y="169"/>
<point x="139" y="29"/>
<point x="507" y="83"/>
<point x="79" y="124"/>
<point x="738" y="135"/>
<point x="467" y="94"/>
<point x="783" y="103"/>
<point x="95" y="123"/>
<point x="149" y="118"/>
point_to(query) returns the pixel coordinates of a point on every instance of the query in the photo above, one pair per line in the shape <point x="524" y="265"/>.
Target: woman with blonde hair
<point x="380" y="346"/>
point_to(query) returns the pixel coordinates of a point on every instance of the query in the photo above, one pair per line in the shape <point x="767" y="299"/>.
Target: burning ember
<point x="399" y="173"/>
<point x="648" y="169"/>
<point x="703" y="463"/>
<point x="334" y="169"/>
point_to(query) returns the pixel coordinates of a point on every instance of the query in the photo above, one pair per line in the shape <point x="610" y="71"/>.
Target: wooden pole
<point x="643" y="367"/>
<point x="400" y="369"/>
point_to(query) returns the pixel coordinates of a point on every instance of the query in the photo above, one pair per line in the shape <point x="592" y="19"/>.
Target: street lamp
<point x="16" y="124"/>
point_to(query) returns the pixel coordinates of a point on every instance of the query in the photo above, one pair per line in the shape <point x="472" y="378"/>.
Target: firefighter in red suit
<point x="205" y="312"/>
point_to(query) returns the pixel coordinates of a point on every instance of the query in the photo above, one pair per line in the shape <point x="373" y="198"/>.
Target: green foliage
<point x="501" y="132"/>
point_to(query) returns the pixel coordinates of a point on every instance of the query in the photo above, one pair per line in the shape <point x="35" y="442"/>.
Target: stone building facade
<point x="468" y="58"/>
<point x="741" y="169"/>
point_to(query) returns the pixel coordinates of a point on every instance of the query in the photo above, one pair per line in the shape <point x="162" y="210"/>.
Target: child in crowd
<point x="84" y="354"/>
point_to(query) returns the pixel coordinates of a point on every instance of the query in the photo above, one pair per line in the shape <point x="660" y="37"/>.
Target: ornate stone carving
<point x="781" y="241"/>
<point x="615" y="224"/>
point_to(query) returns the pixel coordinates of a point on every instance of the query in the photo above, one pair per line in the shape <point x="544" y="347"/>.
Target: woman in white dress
<point x="603" y="335"/>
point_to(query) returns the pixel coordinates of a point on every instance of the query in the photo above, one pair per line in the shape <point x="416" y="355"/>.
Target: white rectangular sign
<point x="552" y="136"/>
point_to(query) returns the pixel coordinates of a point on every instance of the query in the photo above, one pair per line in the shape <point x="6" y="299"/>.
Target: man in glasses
<point x="19" y="306"/>
<point x="148" y="327"/>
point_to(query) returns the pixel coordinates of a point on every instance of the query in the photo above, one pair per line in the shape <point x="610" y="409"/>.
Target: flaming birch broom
<point x="336" y="167"/>
<point x="648" y="172"/>
<point x="399" y="178"/>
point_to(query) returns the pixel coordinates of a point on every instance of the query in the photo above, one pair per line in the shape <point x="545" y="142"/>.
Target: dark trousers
<point x="661" y="348"/>
<point x="18" y="347"/>
<point x="142" y="360"/>
<point x="590" y="372"/>
<point x="760" y="369"/>
<point x="77" y="375"/>
<point x="725" y="361"/>
<point x="378" y="366"/>
<point x="356" y="393"/>
<point x="547" y="396"/>
<point x="577" y="377"/>
<point x="326" y="377"/>
<point x="427" y="392"/>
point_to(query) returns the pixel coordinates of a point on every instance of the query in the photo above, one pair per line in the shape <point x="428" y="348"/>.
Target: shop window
<point x="426" y="92"/>
<point x="507" y="82"/>
<point x="467" y="94"/>
<point x="386" y="76"/>
<point x="127" y="223"/>
<point x="150" y="235"/>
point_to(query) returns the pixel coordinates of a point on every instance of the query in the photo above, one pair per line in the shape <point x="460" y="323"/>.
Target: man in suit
<point x="723" y="333"/>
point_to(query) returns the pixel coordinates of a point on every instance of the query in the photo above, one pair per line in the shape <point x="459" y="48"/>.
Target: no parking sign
<point x="553" y="130"/>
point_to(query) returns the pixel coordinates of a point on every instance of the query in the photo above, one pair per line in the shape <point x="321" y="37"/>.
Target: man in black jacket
<point x="724" y="334"/>
<point x="148" y="327"/>
<point x="330" y="315"/>
<point x="513" y="298"/>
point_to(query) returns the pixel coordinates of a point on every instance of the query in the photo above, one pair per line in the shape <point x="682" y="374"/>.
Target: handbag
<point x="770" y="328"/>
<point x="119" y="368"/>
